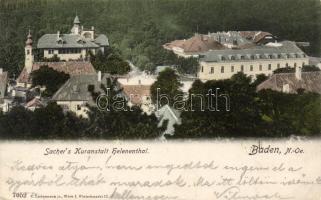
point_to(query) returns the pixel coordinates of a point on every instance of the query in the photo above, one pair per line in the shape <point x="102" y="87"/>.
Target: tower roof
<point x="76" y="20"/>
<point x="29" y="39"/>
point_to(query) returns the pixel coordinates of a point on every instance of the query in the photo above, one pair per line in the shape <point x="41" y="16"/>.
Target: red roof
<point x="35" y="102"/>
<point x="198" y="43"/>
<point x="136" y="92"/>
<point x="69" y="67"/>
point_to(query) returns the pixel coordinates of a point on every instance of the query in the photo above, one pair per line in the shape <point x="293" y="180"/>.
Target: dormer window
<point x="232" y="57"/>
<point x="60" y="41"/>
<point x="261" y="57"/>
<point x="223" y="58"/>
<point x="279" y="56"/>
<point x="270" y="56"/>
<point x="252" y="57"/>
<point x="242" y="57"/>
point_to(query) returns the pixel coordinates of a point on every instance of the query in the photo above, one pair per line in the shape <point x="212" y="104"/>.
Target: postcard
<point x="160" y="99"/>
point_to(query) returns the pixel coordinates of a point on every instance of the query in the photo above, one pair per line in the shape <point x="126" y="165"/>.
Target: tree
<point x="127" y="123"/>
<point x="168" y="84"/>
<point x="49" y="78"/>
<point x="259" y="79"/>
<point x="110" y="62"/>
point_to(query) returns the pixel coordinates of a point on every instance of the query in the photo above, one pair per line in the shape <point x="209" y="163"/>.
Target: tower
<point x="76" y="28"/>
<point x="28" y="53"/>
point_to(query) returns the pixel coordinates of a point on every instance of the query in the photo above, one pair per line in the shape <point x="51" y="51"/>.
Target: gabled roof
<point x="35" y="102"/>
<point x="310" y="81"/>
<point x="196" y="44"/>
<point x="70" y="67"/>
<point x="102" y="40"/>
<point x="76" y="88"/>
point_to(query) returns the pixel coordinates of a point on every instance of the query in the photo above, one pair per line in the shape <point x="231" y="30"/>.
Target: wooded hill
<point x="138" y="28"/>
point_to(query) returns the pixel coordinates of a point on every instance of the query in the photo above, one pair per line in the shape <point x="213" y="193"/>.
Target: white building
<point x="72" y="46"/>
<point x="263" y="59"/>
<point x="75" y="95"/>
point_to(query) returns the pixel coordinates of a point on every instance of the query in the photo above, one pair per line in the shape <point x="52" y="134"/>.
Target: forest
<point x="138" y="28"/>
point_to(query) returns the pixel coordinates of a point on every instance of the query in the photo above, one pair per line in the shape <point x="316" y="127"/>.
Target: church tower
<point x="29" y="58"/>
<point x="76" y="28"/>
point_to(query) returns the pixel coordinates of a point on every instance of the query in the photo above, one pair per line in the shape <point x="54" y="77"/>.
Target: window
<point x="270" y="57"/>
<point x="222" y="69"/>
<point x="78" y="107"/>
<point x="269" y="67"/>
<point x="286" y="88"/>
<point x="28" y="52"/>
<point x="278" y="65"/>
<point x="294" y="64"/>
<point x="232" y="68"/>
<point x="232" y="57"/>
<point x="242" y="68"/>
<point x="202" y="69"/>
<point x="260" y="67"/>
<point x="303" y="64"/>
<point x="222" y="58"/>
<point x="69" y="51"/>
<point x="279" y="55"/>
<point x="287" y="65"/>
<point x="212" y="70"/>
<point x="252" y="57"/>
<point x="242" y="57"/>
<point x="251" y="67"/>
<point x="50" y="51"/>
<point x="261" y="56"/>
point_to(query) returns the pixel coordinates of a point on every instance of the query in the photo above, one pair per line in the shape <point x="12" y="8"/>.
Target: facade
<point x="263" y="59"/>
<point x="72" y="46"/>
<point x="75" y="96"/>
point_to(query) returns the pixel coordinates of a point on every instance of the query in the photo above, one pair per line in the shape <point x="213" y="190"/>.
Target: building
<point x="137" y="90"/>
<point x="171" y="115"/>
<point x="292" y="82"/>
<point x="261" y="59"/>
<point x="315" y="61"/>
<point x="193" y="46"/>
<point x="75" y="95"/>
<point x="34" y="104"/>
<point x="3" y="89"/>
<point x="68" y="67"/>
<point x="74" y="45"/>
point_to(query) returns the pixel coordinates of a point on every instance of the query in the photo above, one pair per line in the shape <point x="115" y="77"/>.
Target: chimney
<point x="1" y="70"/>
<point x="92" y="28"/>
<point x="58" y="34"/>
<point x="99" y="76"/>
<point x="298" y="73"/>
